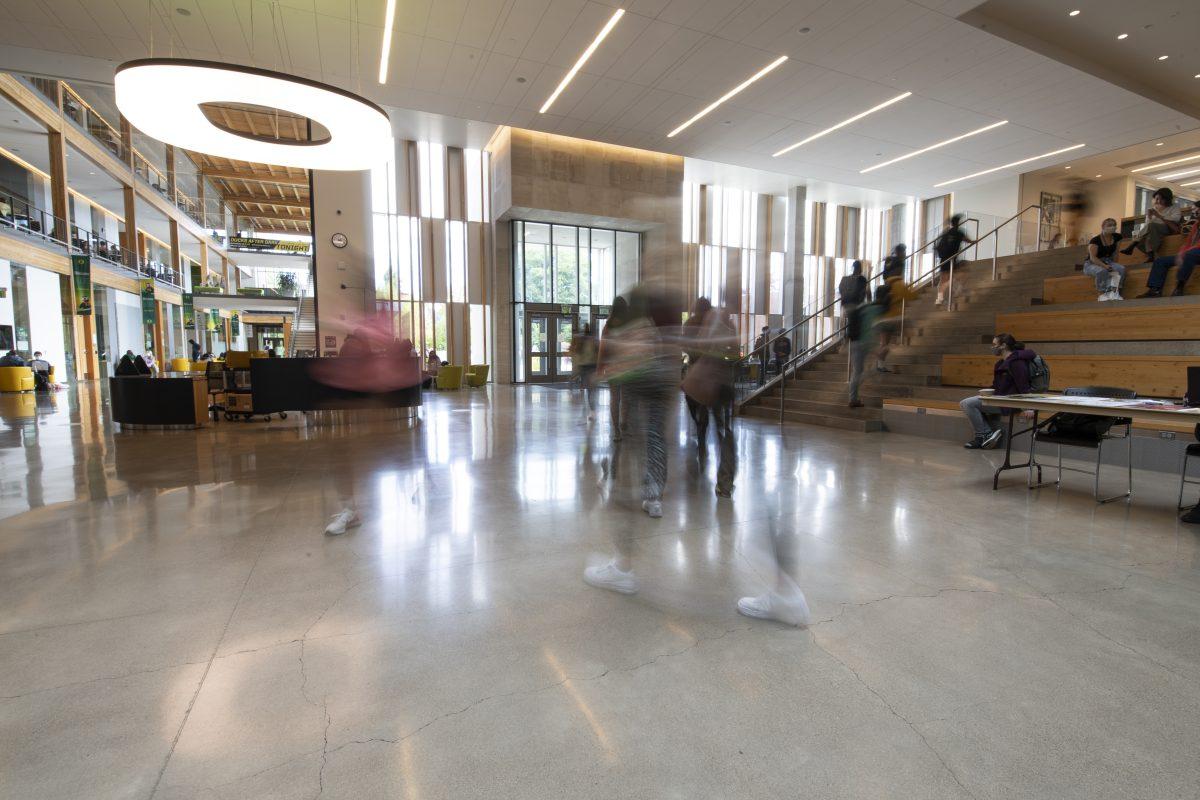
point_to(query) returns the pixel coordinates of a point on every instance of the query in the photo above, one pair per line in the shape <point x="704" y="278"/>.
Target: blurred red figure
<point x="371" y="361"/>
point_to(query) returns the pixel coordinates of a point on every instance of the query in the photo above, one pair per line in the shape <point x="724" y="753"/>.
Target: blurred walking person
<point x="783" y="601"/>
<point x="645" y="363"/>
<point x="891" y="298"/>
<point x="708" y="386"/>
<point x="893" y="265"/>
<point x="609" y="349"/>
<point x="583" y="357"/>
<point x="948" y="246"/>
<point x="860" y="333"/>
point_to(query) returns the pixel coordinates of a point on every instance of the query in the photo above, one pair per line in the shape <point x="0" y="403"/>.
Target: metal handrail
<point x="812" y="351"/>
<point x="765" y="346"/>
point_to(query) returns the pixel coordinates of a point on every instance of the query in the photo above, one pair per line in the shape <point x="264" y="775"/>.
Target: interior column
<point x="344" y="276"/>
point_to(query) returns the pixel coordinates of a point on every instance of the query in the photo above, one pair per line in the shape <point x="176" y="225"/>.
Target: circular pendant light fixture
<point x="162" y="97"/>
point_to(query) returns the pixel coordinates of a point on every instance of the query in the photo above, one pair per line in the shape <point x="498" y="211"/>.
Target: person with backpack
<point x="1018" y="371"/>
<point x="947" y="247"/>
<point x="852" y="290"/>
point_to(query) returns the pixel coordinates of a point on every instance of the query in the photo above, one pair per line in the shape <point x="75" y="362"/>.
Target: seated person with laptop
<point x="41" y="372"/>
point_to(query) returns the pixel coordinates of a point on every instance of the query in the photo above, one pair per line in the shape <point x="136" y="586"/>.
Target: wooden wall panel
<point x="1108" y="322"/>
<point x="1149" y="376"/>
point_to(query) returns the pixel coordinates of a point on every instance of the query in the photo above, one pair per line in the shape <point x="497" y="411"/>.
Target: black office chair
<point x="1088" y="431"/>
<point x="1191" y="450"/>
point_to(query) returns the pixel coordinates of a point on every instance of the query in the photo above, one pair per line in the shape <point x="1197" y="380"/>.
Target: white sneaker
<point x="791" y="611"/>
<point x="1104" y="297"/>
<point x="610" y="578"/>
<point x="1115" y="294"/>
<point x="653" y="508"/>
<point x="346" y="518"/>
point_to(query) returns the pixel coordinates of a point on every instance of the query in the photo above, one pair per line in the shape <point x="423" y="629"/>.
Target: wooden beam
<point x="275" y="215"/>
<point x="132" y="239"/>
<point x="266" y="201"/>
<point x="254" y="175"/>
<point x="59" y="197"/>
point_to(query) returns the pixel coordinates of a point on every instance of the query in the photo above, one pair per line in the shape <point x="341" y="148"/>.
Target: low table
<point x="1139" y="410"/>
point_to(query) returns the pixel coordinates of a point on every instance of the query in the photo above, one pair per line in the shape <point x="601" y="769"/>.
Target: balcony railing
<point x="20" y="215"/>
<point x="78" y="111"/>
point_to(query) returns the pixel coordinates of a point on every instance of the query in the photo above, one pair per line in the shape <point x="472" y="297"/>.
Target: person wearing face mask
<point x="1100" y="265"/>
<point x="1010" y="376"/>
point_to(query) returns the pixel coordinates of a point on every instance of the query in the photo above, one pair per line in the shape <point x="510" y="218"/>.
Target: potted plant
<point x="287" y="284"/>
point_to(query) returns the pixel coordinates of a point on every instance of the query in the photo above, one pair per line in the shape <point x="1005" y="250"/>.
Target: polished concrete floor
<point x="176" y="625"/>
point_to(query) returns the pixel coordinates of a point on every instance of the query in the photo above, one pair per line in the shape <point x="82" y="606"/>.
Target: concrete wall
<point x="997" y="198"/>
<point x="550" y="178"/>
<point x="342" y="204"/>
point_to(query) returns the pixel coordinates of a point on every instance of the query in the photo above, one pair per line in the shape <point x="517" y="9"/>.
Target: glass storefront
<point x="31" y="315"/>
<point x="564" y="276"/>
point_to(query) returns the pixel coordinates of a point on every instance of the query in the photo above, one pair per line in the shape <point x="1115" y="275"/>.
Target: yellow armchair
<point x="477" y="375"/>
<point x="450" y="377"/>
<point x="16" y="379"/>
<point x="180" y="365"/>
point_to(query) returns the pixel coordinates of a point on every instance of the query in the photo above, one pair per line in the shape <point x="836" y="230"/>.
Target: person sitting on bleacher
<point x="1009" y="376"/>
<point x="1100" y="264"/>
<point x="1186" y="259"/>
<point x="1162" y="219"/>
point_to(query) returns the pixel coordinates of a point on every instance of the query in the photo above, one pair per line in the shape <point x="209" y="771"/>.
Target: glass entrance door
<point x="548" y="356"/>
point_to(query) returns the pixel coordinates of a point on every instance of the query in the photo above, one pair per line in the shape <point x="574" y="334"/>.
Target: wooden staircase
<point x="817" y="393"/>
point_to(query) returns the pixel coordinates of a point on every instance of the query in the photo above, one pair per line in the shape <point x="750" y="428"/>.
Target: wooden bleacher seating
<point x="1107" y="322"/>
<point x="1149" y="376"/>
<point x="1079" y="288"/>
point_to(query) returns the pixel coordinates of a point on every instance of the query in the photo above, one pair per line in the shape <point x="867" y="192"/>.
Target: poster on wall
<point x="1051" y="217"/>
<point x="81" y="272"/>
<point x="235" y="323"/>
<point x="147" y="293"/>
<point x="189" y="311"/>
<point x="214" y="319"/>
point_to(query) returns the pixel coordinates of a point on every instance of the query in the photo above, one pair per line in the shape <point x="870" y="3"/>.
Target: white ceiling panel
<point x="664" y="61"/>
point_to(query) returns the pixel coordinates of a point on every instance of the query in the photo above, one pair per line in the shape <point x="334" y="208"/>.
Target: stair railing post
<point x="903" y="306"/>
<point x="782" y="390"/>
<point x="950" y="289"/>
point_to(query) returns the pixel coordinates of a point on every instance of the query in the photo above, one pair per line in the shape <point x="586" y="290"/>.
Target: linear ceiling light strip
<point x="843" y="124"/>
<point x="612" y="22"/>
<point x="731" y="93"/>
<point x="1013" y="164"/>
<point x="1170" y="176"/>
<point x="1170" y="163"/>
<point x="935" y="146"/>
<point x="389" y="19"/>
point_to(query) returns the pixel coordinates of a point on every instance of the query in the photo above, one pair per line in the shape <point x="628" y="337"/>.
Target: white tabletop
<point x="1140" y="409"/>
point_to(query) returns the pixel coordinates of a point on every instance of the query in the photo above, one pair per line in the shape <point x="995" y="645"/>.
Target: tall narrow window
<point x="456" y="256"/>
<point x="566" y="265"/>
<point x="473" y="172"/>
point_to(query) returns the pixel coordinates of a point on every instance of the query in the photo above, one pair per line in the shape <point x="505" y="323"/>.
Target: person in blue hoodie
<point x="1010" y="376"/>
